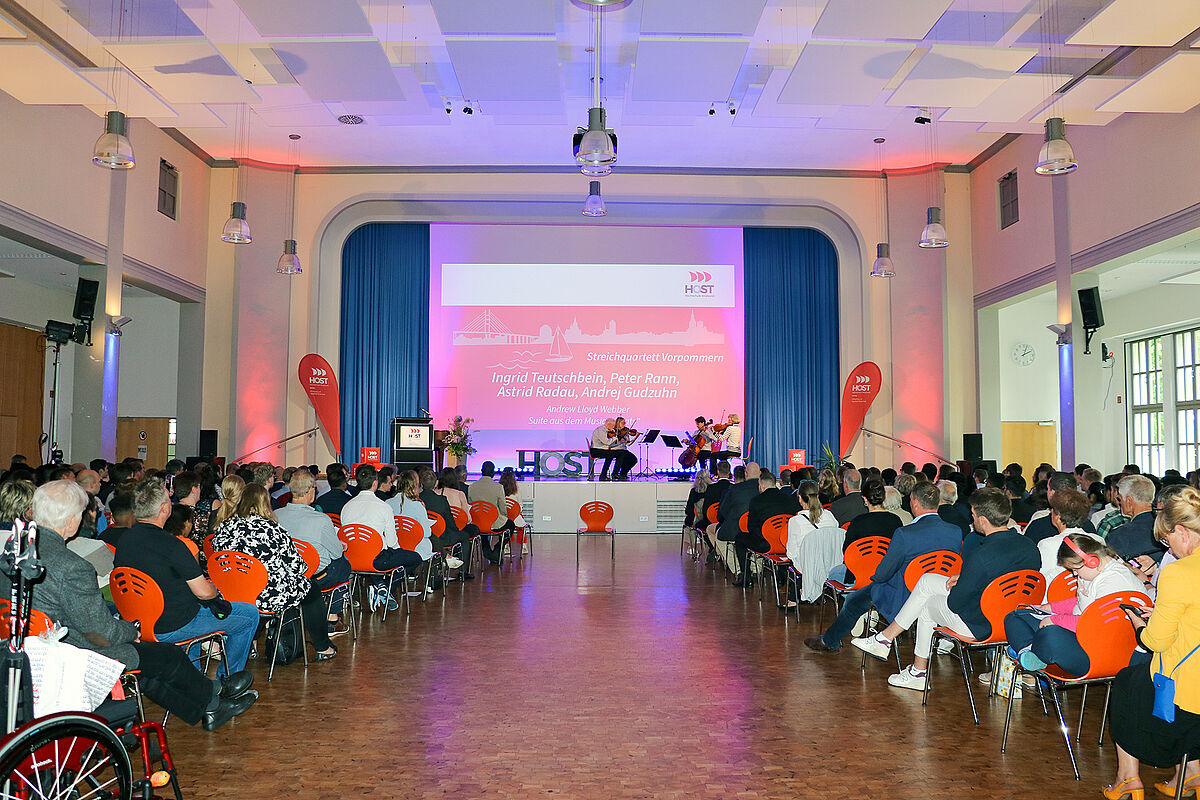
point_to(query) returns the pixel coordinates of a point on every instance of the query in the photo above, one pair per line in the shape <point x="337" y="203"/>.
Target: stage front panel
<point x="539" y="347"/>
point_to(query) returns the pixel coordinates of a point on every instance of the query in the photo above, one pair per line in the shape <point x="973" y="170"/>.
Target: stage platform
<point x="552" y="506"/>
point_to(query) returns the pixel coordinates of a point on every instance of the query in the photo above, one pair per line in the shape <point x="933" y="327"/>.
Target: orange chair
<point x="38" y="621"/>
<point x="208" y="547"/>
<point x="461" y="518"/>
<point x="1064" y="587"/>
<point x="1000" y="598"/>
<point x="363" y="544"/>
<point x="485" y="515"/>
<point x="1106" y="636"/>
<point x="938" y="562"/>
<point x="439" y="524"/>
<point x="595" y="516"/>
<point x="862" y="557"/>
<point x="187" y="540"/>
<point x="312" y="562"/>
<point x="241" y="578"/>
<point x="337" y="518"/>
<point x="139" y="599"/>
<point x="521" y="536"/>
<point x="774" y="530"/>
<point x="410" y="534"/>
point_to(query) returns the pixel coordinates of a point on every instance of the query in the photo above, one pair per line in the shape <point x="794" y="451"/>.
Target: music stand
<point x="648" y="438"/>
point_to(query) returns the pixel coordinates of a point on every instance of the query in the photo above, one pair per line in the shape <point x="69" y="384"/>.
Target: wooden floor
<point x="647" y="678"/>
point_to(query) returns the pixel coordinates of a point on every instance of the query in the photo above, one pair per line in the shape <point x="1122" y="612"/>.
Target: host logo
<point x="700" y="277"/>
<point x="318" y="377"/>
<point x="699" y="284"/>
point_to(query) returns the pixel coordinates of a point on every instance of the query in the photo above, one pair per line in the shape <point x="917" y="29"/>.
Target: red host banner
<point x="320" y="383"/>
<point x="862" y="385"/>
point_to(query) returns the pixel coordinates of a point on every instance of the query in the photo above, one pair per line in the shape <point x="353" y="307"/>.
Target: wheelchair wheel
<point x="66" y="756"/>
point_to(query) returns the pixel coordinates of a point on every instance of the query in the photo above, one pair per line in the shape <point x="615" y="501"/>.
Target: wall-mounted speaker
<point x="85" y="299"/>
<point x="208" y="444"/>
<point x="1090" y="310"/>
<point x="972" y="447"/>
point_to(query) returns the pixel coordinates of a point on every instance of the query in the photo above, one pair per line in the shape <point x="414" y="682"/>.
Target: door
<point x="1029" y="444"/>
<point x="22" y="380"/>
<point x="144" y="438"/>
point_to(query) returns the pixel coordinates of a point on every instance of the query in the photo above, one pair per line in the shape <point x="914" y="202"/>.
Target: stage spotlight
<point x="467" y="109"/>
<point x="712" y="109"/>
<point x="732" y="108"/>
<point x="449" y="107"/>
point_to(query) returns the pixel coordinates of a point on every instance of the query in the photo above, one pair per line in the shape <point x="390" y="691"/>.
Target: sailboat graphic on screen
<point x="559" y="349"/>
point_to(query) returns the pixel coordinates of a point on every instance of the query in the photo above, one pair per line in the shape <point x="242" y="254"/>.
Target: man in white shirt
<point x="306" y="524"/>
<point x="489" y="491"/>
<point x="602" y="446"/>
<point x="367" y="509"/>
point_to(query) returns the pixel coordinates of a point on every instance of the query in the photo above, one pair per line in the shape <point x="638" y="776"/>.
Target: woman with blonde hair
<point x="232" y="487"/>
<point x="730" y="438"/>
<point x="1145" y="727"/>
<point x="827" y="486"/>
<point x="252" y="529"/>
<point x="815" y="559"/>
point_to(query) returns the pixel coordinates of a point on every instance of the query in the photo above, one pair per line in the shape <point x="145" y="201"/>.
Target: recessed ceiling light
<point x="350" y="119"/>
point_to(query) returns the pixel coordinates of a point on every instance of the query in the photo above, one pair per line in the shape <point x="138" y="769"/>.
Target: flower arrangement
<point x="458" y="441"/>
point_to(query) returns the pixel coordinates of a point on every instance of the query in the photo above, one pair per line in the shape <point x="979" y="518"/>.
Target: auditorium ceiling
<point x="811" y="82"/>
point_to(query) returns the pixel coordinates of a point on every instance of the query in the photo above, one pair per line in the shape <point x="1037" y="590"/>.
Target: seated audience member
<point x="954" y="602"/>
<point x="1022" y="511"/>
<point x="1135" y="537"/>
<point x="89" y="481"/>
<point x="450" y="487"/>
<point x="735" y="503"/>
<point x="877" y="521"/>
<point x="16" y="502"/>
<point x="186" y="488"/>
<point x="893" y="502"/>
<point x="253" y="530"/>
<point x="1111" y="502"/>
<point x="930" y="471"/>
<point x="508" y="482"/>
<point x="813" y="560"/>
<point x="1041" y="527"/>
<point x="120" y="505"/>
<point x="338" y="495"/>
<point x="68" y="594"/>
<point x="406" y="502"/>
<point x="887" y="590"/>
<point x="387" y="483"/>
<point x="306" y="524"/>
<point x="904" y="484"/>
<point x="1171" y="634"/>
<point x="487" y="490"/>
<point x="767" y="502"/>
<point x="181" y="524"/>
<point x="784" y="481"/>
<point x="367" y="509"/>
<point x="980" y="477"/>
<point x="827" y="487"/>
<point x="231" y="490"/>
<point x="208" y="502"/>
<point x="948" y="508"/>
<point x="714" y="494"/>
<point x="851" y="503"/>
<point x="1067" y="512"/>
<point x="888" y="476"/>
<point x="1045" y="634"/>
<point x="696" y="495"/>
<point x="437" y="504"/>
<point x="189" y="599"/>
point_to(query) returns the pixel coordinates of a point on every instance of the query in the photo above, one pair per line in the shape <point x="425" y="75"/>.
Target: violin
<point x="623" y="432"/>
<point x="720" y="427"/>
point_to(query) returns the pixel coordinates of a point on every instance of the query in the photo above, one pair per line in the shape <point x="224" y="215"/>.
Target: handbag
<point x="1164" y="689"/>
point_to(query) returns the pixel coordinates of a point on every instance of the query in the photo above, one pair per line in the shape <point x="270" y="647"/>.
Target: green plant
<point x="458" y="441"/>
<point x="828" y="460"/>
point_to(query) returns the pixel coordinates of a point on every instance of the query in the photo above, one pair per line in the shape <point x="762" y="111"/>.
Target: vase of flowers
<point x="458" y="441"/>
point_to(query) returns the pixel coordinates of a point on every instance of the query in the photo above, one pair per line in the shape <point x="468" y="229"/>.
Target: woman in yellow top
<point x="1171" y="633"/>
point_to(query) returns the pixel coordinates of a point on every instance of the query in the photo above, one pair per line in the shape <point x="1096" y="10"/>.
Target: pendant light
<point x="934" y="232"/>
<point x="1056" y="156"/>
<point x="237" y="229"/>
<point x="596" y="151"/>
<point x="883" y="267"/>
<point x="113" y="149"/>
<point x="289" y="264"/>
<point x="594" y="205"/>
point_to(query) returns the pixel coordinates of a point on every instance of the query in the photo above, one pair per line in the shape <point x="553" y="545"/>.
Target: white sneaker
<point x="1029" y="681"/>
<point x="373" y="598"/>
<point x="873" y="647"/>
<point x="860" y="625"/>
<point x="985" y="677"/>
<point x="453" y="562"/>
<point x="945" y="646"/>
<point x="907" y="678"/>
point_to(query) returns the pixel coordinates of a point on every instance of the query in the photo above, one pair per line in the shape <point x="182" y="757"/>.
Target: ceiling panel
<point x="189" y="71"/>
<point x="1171" y="87"/>
<point x="1012" y="101"/>
<point x="1011" y="127"/>
<point x="879" y="19"/>
<point x="842" y="73"/>
<point x="306" y="18"/>
<point x="1078" y="106"/>
<point x="143" y="19"/>
<point x="686" y="70"/>
<point x="950" y="75"/>
<point x="132" y="96"/>
<point x="528" y="16"/>
<point x="506" y="69"/>
<point x="854" y="118"/>
<point x="9" y="30"/>
<point x="1160" y="23"/>
<point x="688" y="16"/>
<point x="35" y="76"/>
<point x="341" y="71"/>
<point x="191" y="115"/>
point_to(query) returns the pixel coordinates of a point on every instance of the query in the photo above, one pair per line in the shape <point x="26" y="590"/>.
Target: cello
<point x="689" y="457"/>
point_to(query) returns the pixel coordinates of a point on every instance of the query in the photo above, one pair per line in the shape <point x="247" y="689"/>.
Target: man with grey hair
<point x="603" y="446"/>
<point x="304" y="523"/>
<point x="1136" y="537"/>
<point x="69" y="595"/>
<point x="851" y="503"/>
<point x="192" y="606"/>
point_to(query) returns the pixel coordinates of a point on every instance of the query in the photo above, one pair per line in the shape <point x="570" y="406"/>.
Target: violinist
<point x="729" y="434"/>
<point x="626" y="460"/>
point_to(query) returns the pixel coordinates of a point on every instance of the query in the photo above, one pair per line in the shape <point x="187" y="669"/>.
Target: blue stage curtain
<point x="792" y="370"/>
<point x="384" y="363"/>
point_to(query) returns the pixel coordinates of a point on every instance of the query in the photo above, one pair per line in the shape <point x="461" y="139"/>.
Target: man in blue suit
<point x="887" y="590"/>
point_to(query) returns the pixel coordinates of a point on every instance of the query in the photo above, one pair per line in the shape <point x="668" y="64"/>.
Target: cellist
<point x="704" y="440"/>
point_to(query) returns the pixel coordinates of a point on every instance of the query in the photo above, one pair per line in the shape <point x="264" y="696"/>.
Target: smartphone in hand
<point x="1136" y="611"/>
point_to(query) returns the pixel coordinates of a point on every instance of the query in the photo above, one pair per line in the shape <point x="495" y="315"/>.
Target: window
<point x="168" y="189"/>
<point x="1008" y="199"/>
<point x="1187" y="399"/>
<point x="1148" y="444"/>
<point x="172" y="426"/>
